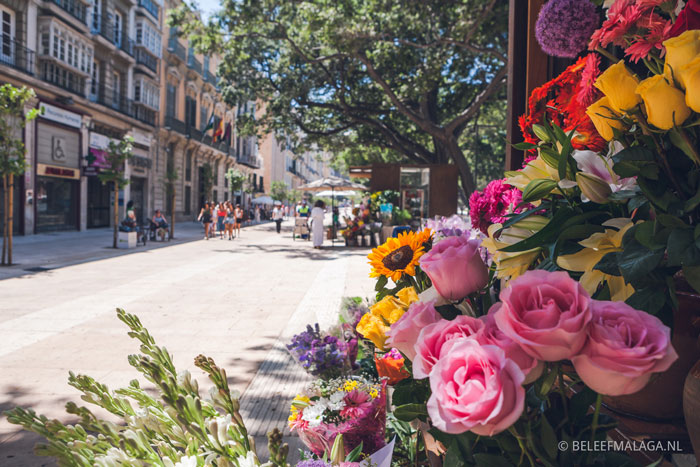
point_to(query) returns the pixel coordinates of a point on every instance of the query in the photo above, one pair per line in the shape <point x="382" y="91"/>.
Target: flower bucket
<point x="662" y="399"/>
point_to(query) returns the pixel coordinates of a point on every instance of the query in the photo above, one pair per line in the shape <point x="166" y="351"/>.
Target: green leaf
<point x="580" y="403"/>
<point x="636" y="261"/>
<point x="636" y="153"/>
<point x="454" y="457"/>
<point x="545" y="235"/>
<point x="381" y="283"/>
<point x="541" y="132"/>
<point x="354" y="455"/>
<point x="644" y="234"/>
<point x="410" y="412"/>
<point x="513" y="219"/>
<point x="524" y="146"/>
<point x="692" y="203"/>
<point x="548" y="381"/>
<point x="490" y="460"/>
<point x="649" y="299"/>
<point x="679" y="142"/>
<point x="608" y="264"/>
<point x="550" y="157"/>
<point x="538" y="189"/>
<point x="692" y="275"/>
<point x="549" y="438"/>
<point x="668" y="220"/>
<point x="678" y="243"/>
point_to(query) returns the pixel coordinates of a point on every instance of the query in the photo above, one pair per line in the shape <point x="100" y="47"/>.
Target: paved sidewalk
<point x="235" y="301"/>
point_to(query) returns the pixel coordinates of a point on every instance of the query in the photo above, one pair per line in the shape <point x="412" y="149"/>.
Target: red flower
<point x="688" y="19"/>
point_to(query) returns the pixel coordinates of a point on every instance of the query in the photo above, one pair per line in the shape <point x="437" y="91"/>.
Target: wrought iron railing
<point x="105" y="27"/>
<point x="194" y="64"/>
<point x="177" y="49"/>
<point x="16" y="55"/>
<point x="210" y="78"/>
<point x="75" y="8"/>
<point x="249" y="160"/>
<point x="144" y="114"/>
<point x="150" y="7"/>
<point x="174" y="124"/>
<point x="63" y="78"/>
<point x="146" y="59"/>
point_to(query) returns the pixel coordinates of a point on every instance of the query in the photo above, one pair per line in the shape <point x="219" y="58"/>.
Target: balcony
<point x="103" y="25"/>
<point x="115" y="100"/>
<point x="144" y="114"/>
<point x="194" y="133"/>
<point x="194" y="64"/>
<point x="210" y="78"/>
<point x="75" y="8"/>
<point x="62" y="77"/>
<point x="150" y="6"/>
<point x="249" y="160"/>
<point x="16" y="55"/>
<point x="177" y="49"/>
<point x="172" y="123"/>
<point x="146" y="59"/>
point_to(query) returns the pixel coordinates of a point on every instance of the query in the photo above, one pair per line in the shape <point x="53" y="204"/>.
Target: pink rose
<point x="546" y="313"/>
<point x="455" y="267"/>
<point x="432" y="340"/>
<point x="475" y="388"/>
<point x="491" y="335"/>
<point x="624" y="347"/>
<point x="404" y="333"/>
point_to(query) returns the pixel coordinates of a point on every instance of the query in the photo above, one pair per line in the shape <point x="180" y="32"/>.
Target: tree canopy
<point x="389" y="76"/>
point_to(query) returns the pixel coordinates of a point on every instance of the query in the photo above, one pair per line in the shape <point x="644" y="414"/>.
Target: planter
<point x="662" y="399"/>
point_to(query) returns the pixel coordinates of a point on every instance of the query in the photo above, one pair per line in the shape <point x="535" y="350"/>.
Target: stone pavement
<point x="235" y="301"/>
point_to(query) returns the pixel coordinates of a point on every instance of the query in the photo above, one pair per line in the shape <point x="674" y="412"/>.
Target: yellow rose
<point x="603" y="118"/>
<point x="665" y="104"/>
<point x="407" y="295"/>
<point x="680" y="50"/>
<point x="389" y="309"/>
<point x="373" y="328"/>
<point x="690" y="78"/>
<point x="618" y="85"/>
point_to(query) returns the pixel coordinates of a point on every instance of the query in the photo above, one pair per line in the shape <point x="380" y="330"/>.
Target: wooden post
<point x="4" y="220"/>
<point x="116" y="215"/>
<point x="172" y="212"/>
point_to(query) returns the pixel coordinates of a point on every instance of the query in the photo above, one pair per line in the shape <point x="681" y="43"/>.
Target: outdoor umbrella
<point x="263" y="200"/>
<point x="334" y="183"/>
<point x="329" y="193"/>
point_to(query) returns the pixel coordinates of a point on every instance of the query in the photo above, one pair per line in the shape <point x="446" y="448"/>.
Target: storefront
<point x="57" y="185"/>
<point x="139" y="171"/>
<point x="98" y="194"/>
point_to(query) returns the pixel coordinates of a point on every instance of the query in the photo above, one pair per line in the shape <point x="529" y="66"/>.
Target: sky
<point x="207" y="6"/>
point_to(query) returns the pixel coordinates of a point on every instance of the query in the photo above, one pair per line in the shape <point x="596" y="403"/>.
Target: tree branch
<point x="473" y="108"/>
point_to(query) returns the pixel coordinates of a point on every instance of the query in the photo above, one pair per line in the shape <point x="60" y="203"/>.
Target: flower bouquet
<point x="354" y="407"/>
<point x="323" y="354"/>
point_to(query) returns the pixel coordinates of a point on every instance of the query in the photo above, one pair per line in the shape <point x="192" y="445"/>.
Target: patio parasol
<point x="263" y="200"/>
<point x="334" y="183"/>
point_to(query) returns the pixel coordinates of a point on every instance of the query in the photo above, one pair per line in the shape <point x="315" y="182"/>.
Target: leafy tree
<point x="12" y="162"/>
<point x="279" y="190"/>
<point x="117" y="155"/>
<point x="236" y="179"/>
<point x="207" y="181"/>
<point x="402" y="76"/>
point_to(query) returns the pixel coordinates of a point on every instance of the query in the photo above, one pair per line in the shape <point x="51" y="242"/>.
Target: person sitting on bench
<point x="159" y="224"/>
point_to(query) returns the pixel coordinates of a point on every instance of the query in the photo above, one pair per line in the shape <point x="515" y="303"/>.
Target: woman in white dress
<point x="317" y="216"/>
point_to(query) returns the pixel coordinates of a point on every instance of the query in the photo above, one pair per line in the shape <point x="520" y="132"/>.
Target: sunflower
<point x="398" y="256"/>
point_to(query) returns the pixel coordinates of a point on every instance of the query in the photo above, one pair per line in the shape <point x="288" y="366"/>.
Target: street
<point x="229" y="300"/>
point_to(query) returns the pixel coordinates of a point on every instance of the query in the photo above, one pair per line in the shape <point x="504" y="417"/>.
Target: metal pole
<point x="332" y="220"/>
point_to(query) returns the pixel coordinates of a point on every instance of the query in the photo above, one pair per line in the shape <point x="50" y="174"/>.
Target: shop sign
<point x="56" y="114"/>
<point x="95" y="161"/>
<point x="141" y="138"/>
<point x="56" y="171"/>
<point x="58" y="153"/>
<point x="99" y="141"/>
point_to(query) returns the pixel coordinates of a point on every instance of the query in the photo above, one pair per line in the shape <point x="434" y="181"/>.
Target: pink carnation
<point x="493" y="204"/>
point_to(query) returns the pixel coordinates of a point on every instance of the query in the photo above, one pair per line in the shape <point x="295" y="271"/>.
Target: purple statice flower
<point x="324" y="356"/>
<point x="564" y="27"/>
<point x="313" y="463"/>
<point x="453" y="226"/>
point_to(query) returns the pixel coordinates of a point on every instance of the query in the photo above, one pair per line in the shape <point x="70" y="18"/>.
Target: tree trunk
<point x="4" y="220"/>
<point x="172" y="213"/>
<point x="115" y="240"/>
<point x="465" y="174"/>
<point x="10" y="217"/>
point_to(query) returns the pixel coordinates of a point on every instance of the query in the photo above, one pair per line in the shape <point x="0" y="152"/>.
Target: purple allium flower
<point x="564" y="27"/>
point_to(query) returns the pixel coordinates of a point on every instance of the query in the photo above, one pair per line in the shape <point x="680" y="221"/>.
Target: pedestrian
<point x="318" y="213"/>
<point x="304" y="209"/>
<point x="278" y="216"/>
<point x="230" y="220"/>
<point x="257" y="214"/>
<point x="205" y="216"/>
<point x="238" y="214"/>
<point x="160" y="224"/>
<point x="220" y="217"/>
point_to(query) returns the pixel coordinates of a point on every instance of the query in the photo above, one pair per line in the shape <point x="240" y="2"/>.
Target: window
<point x="216" y="173"/>
<point x="203" y="117"/>
<point x="147" y="93"/>
<point x="188" y="166"/>
<point x="7" y="32"/>
<point x="117" y="83"/>
<point x="118" y="29"/>
<point x="66" y="46"/>
<point x="171" y="96"/>
<point x="205" y="64"/>
<point x="149" y="37"/>
<point x="190" y="112"/>
<point x="216" y="196"/>
<point x="94" y="84"/>
<point x="188" y="200"/>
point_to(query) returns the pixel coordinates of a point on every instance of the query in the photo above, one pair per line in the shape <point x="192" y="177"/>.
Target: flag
<point x="210" y="124"/>
<point x="227" y="133"/>
<point x="219" y="131"/>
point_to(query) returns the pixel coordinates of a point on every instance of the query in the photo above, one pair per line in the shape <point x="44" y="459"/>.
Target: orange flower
<point x="388" y="366"/>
